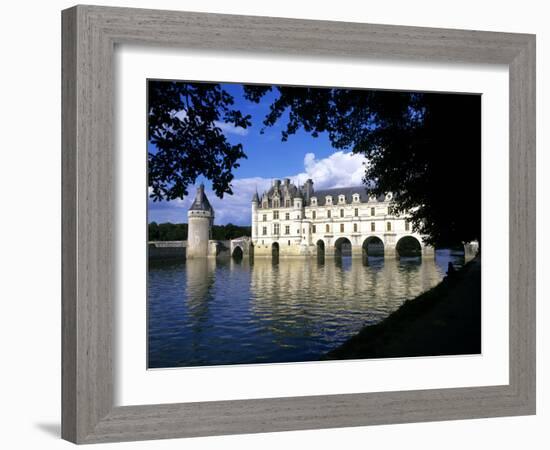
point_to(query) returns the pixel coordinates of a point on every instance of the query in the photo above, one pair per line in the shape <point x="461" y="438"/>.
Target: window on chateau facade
<point x="313" y="214"/>
<point x="275" y="215"/>
<point x="328" y="228"/>
<point x="287" y="203"/>
<point x="341" y="199"/>
<point x="313" y="201"/>
<point x="298" y="231"/>
<point x="388" y="226"/>
<point x="407" y="225"/>
<point x="341" y="213"/>
<point x="288" y="242"/>
<point x="287" y="216"/>
<point x="287" y="229"/>
<point x="275" y="203"/>
<point x="355" y="228"/>
<point x="276" y="228"/>
<point x="264" y="217"/>
<point x="264" y="231"/>
<point x="356" y="212"/>
<point x="372" y="212"/>
<point x="314" y="228"/>
<point x="372" y="226"/>
<point x="329" y="213"/>
<point x="341" y="228"/>
<point x="298" y="216"/>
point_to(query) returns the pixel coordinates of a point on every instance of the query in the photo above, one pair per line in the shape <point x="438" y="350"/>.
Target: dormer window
<point x="389" y="196"/>
<point x="328" y="199"/>
<point x="287" y="203"/>
<point x="313" y="201"/>
<point x="356" y="198"/>
<point x="341" y="199"/>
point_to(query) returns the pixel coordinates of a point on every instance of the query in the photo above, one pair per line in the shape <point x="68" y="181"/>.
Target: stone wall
<point x="166" y="250"/>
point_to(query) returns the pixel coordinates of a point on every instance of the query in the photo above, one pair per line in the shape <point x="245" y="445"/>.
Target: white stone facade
<point x="299" y="221"/>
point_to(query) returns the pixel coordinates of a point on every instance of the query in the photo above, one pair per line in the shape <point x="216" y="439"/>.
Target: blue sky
<point x="300" y="157"/>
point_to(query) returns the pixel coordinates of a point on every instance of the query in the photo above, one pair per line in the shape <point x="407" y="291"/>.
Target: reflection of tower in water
<point x="200" y="279"/>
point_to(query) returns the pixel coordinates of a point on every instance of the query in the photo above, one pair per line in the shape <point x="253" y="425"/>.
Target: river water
<point x="212" y="312"/>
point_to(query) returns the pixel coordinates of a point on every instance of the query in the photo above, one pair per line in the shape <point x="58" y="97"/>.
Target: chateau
<point x="290" y="220"/>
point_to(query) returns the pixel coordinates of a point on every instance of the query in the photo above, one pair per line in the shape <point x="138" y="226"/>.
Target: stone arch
<point x="342" y="247"/>
<point x="373" y="246"/>
<point x="408" y="246"/>
<point x="275" y="250"/>
<point x="320" y="245"/>
<point x="238" y="252"/>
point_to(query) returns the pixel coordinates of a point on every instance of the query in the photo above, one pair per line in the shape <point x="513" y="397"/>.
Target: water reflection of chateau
<point x="297" y="279"/>
<point x="295" y="301"/>
<point x="341" y="281"/>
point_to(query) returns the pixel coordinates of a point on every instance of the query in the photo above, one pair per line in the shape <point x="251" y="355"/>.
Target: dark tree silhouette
<point x="184" y="127"/>
<point x="423" y="147"/>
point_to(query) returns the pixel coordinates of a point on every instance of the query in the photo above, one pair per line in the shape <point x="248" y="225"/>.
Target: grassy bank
<point x="446" y="320"/>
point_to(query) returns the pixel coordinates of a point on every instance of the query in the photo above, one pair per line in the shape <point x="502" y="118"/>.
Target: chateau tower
<point x="255" y="203"/>
<point x="200" y="218"/>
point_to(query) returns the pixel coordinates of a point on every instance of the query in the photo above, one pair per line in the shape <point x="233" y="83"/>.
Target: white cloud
<point x="231" y="129"/>
<point x="337" y="170"/>
<point x="225" y="127"/>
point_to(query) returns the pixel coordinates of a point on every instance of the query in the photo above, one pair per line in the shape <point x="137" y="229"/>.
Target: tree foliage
<point x="178" y="231"/>
<point x="423" y="147"/>
<point x="184" y="127"/>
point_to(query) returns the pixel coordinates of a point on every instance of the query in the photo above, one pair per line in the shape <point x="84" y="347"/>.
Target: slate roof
<point x="201" y="202"/>
<point x="290" y="190"/>
<point x="347" y="191"/>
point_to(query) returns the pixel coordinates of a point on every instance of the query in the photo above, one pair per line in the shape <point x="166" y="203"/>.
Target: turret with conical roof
<point x="201" y="202"/>
<point x="200" y="219"/>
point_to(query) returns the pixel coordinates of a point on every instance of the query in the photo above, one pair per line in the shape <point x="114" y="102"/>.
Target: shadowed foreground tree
<point x="184" y="125"/>
<point x="423" y="147"/>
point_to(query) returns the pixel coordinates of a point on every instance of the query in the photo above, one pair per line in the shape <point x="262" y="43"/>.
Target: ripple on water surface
<point x="208" y="312"/>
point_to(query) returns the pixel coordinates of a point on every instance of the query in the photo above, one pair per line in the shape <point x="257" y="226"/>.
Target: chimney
<point x="308" y="190"/>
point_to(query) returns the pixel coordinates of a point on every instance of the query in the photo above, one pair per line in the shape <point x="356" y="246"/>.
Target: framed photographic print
<point x="256" y="209"/>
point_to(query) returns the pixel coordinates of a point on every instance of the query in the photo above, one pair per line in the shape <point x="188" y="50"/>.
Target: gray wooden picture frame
<point x="89" y="37"/>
